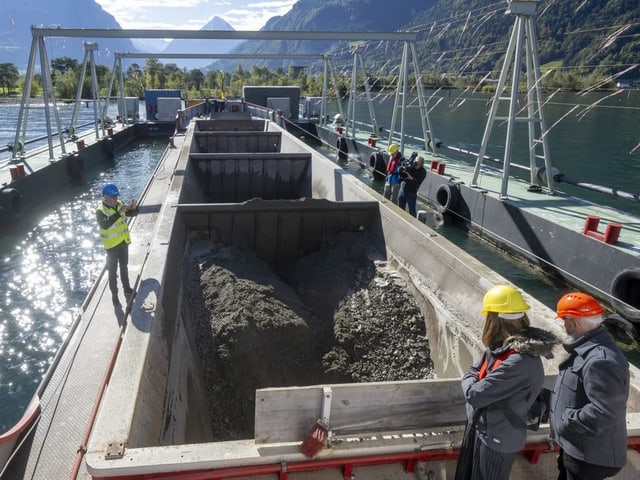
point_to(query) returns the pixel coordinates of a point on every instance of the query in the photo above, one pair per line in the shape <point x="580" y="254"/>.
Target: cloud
<point x="193" y="14"/>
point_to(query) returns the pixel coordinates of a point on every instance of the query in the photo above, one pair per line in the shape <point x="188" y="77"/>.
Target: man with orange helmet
<point x="589" y="400"/>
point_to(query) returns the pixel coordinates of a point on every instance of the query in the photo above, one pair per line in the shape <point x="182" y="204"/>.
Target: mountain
<point x="463" y="36"/>
<point x="199" y="46"/>
<point x="17" y="18"/>
<point x="329" y="15"/>
<point x="454" y="36"/>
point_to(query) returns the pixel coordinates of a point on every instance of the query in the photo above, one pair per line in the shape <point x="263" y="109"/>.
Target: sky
<point x="193" y="14"/>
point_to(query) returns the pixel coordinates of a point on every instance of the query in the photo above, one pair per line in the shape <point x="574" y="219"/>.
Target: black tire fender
<point x="625" y="291"/>
<point x="447" y="197"/>
<point x="108" y="147"/>
<point x="343" y="149"/>
<point x="75" y="168"/>
<point x="10" y="203"/>
<point x="377" y="166"/>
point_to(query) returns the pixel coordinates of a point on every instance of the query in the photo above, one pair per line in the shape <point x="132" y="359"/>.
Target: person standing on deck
<point x="180" y="123"/>
<point x="412" y="177"/>
<point x="392" y="182"/>
<point x="114" y="232"/>
<point x="589" y="399"/>
<point x="501" y="387"/>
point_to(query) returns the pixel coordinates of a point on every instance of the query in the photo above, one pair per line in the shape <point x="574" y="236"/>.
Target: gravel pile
<point x="335" y="316"/>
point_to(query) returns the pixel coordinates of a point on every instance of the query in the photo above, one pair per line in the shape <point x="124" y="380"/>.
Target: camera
<point x="406" y="164"/>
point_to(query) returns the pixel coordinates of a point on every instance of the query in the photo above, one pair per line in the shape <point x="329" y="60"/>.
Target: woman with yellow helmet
<point x="502" y="386"/>
<point x="392" y="181"/>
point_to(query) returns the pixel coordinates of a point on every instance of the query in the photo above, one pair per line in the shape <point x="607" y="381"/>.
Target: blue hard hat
<point x="111" y="190"/>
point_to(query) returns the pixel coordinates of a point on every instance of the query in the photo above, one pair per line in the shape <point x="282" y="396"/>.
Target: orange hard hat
<point x="578" y="304"/>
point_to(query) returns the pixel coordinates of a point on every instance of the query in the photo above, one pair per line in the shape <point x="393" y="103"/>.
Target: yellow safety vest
<point x="119" y="231"/>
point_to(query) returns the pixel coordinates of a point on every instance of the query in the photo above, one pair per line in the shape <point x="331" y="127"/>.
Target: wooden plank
<point x="288" y="414"/>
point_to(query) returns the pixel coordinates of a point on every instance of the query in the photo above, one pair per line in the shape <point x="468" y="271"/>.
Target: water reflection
<point x="48" y="265"/>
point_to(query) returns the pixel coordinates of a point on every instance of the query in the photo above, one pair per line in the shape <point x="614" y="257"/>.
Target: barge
<point x="242" y="182"/>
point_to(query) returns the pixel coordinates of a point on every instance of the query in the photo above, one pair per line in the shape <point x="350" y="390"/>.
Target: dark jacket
<point x="412" y="185"/>
<point x="589" y="400"/>
<point x="507" y="393"/>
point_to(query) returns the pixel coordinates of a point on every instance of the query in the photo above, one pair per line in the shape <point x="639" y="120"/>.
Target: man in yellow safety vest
<point x="114" y="232"/>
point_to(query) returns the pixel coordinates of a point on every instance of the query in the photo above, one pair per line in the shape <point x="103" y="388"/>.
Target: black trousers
<point x="118" y="256"/>
<point x="491" y="465"/>
<point x="570" y="468"/>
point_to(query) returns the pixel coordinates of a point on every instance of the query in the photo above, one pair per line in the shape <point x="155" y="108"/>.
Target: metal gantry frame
<point x="523" y="39"/>
<point x="351" y="110"/>
<point x="409" y="56"/>
<point x="89" y="61"/>
<point x="38" y="45"/>
<point x="48" y="97"/>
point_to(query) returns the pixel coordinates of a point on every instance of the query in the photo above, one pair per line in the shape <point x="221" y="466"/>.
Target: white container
<point x="167" y="108"/>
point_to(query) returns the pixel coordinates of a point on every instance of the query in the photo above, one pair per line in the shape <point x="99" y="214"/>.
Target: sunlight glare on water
<point x="48" y="267"/>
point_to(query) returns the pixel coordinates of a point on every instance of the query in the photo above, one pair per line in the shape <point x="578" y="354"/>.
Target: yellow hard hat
<point x="503" y="299"/>
<point x="393" y="148"/>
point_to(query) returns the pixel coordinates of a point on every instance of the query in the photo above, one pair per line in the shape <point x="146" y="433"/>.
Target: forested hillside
<point x="577" y="37"/>
<point x="597" y="35"/>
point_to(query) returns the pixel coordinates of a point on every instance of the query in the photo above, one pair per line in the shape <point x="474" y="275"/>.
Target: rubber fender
<point x="75" y="168"/>
<point x="108" y="147"/>
<point x="447" y="197"/>
<point x="625" y="290"/>
<point x="10" y="203"/>
<point x="377" y="166"/>
<point x="343" y="149"/>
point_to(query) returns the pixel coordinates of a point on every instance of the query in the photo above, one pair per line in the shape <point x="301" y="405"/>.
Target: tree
<point x="9" y="77"/>
<point x="64" y="64"/>
<point x="153" y="75"/>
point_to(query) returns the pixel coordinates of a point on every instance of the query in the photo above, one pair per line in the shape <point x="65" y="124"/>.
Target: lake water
<point x="48" y="265"/>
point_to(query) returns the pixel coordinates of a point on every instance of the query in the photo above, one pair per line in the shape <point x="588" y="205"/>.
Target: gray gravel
<point x="334" y="316"/>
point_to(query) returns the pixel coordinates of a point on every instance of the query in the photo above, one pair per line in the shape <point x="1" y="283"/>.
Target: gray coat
<point x="507" y="393"/>
<point x="589" y="400"/>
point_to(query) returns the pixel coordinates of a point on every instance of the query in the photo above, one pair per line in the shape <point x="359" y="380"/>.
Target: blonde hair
<point x="496" y="330"/>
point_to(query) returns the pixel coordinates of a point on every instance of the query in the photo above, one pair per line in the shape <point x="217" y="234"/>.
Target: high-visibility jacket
<point x="119" y="231"/>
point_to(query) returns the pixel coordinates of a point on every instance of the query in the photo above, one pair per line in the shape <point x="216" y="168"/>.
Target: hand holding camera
<point x="406" y="166"/>
<point x="128" y="206"/>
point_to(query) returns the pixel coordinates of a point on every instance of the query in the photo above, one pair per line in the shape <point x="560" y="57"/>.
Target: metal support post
<point x="523" y="38"/>
<point x="49" y="98"/>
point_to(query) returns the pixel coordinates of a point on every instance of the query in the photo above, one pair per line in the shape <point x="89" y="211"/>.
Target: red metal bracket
<point x="438" y="167"/>
<point x="611" y="232"/>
